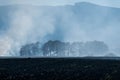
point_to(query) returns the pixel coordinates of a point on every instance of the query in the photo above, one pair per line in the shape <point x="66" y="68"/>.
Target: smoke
<point x="5" y="47"/>
<point x="24" y="29"/>
<point x="29" y="24"/>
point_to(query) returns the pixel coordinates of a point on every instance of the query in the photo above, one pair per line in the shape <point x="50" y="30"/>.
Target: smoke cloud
<point x="29" y="24"/>
<point x="24" y="28"/>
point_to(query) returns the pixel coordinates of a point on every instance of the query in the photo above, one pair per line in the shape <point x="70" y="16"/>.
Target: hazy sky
<point x="23" y="26"/>
<point x="115" y="3"/>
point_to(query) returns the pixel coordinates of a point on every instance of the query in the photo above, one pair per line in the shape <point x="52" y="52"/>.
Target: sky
<point x="112" y="3"/>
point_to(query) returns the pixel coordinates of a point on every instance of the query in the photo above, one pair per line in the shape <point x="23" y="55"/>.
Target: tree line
<point x="59" y="48"/>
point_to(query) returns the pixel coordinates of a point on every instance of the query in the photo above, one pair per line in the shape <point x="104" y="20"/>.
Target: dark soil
<point x="59" y="69"/>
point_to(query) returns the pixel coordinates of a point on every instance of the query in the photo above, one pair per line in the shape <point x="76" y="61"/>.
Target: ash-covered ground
<point x="59" y="69"/>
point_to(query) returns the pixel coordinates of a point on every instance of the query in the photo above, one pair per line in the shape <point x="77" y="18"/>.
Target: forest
<point x="65" y="49"/>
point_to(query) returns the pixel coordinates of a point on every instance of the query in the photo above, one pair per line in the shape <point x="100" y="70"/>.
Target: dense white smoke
<point x="5" y="48"/>
<point x="24" y="29"/>
<point x="29" y="24"/>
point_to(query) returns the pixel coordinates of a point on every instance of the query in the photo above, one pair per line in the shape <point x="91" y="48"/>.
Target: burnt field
<point x="59" y="69"/>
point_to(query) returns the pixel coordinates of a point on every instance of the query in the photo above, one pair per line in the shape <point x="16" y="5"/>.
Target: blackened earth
<point x="59" y="69"/>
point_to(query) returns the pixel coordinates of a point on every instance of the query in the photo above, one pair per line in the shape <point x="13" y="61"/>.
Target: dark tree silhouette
<point x="54" y="48"/>
<point x="58" y="48"/>
<point x="47" y="48"/>
<point x="30" y="49"/>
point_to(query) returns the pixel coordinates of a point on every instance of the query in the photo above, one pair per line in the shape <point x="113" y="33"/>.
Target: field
<point x="59" y="69"/>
